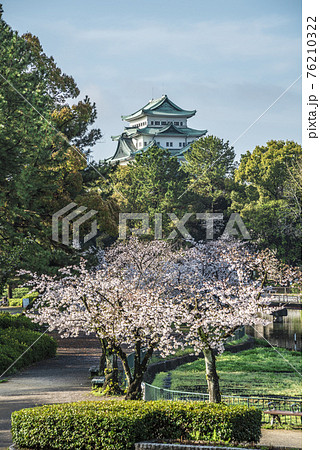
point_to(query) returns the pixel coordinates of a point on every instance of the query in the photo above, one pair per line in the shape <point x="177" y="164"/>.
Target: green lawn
<point x="260" y="371"/>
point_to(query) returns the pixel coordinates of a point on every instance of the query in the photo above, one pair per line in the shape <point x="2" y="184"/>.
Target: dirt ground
<point x="282" y="438"/>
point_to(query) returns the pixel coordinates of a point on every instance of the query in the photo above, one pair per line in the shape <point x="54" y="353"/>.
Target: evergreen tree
<point x="268" y="195"/>
<point x="44" y="143"/>
<point x="153" y="183"/>
<point x="210" y="164"/>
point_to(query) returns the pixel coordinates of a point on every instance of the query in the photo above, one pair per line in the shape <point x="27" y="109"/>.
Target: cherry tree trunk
<point x="111" y="384"/>
<point x="212" y="376"/>
<point x="134" y="391"/>
<point x="104" y="362"/>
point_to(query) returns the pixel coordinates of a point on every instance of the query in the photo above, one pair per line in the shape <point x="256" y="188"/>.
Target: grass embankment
<point x="257" y="372"/>
<point x="189" y="350"/>
<point x="17" y="334"/>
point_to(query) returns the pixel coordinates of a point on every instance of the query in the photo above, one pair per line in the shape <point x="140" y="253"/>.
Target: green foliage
<point x="180" y="352"/>
<point x="272" y="224"/>
<point x="268" y="195"/>
<point x="19" y="294"/>
<point x="119" y="424"/>
<point x="15" y="302"/>
<point x="44" y="142"/>
<point x="17" y="334"/>
<point x="267" y="168"/>
<point x="152" y="184"/>
<point x="210" y="163"/>
<point x="17" y="321"/>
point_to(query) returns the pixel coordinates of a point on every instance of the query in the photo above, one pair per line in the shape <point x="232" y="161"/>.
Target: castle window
<point x="151" y="122"/>
<point x="163" y="123"/>
<point x="176" y="123"/>
<point x="157" y="122"/>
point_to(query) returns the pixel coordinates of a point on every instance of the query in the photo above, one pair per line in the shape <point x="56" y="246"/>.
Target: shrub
<point x="17" y="334"/>
<point x="19" y="294"/>
<point x="15" y="301"/>
<point x="16" y="321"/>
<point x="119" y="424"/>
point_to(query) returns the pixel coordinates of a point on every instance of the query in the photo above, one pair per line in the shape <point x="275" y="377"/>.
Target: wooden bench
<point x="97" y="381"/>
<point x="277" y="413"/>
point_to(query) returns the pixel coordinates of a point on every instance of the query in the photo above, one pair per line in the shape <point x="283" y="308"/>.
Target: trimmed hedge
<point x="16" y="335"/>
<point x="8" y="320"/>
<point x="15" y="302"/>
<point x="19" y="294"/>
<point x="118" y="425"/>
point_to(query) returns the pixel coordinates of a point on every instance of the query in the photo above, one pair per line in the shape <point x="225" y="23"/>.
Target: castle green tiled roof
<point x="162" y="106"/>
<point x="168" y="130"/>
<point x="129" y="132"/>
<point x="163" y="125"/>
<point x="127" y="151"/>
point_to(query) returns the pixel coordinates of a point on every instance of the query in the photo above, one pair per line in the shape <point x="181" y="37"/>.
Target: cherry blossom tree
<point x="146" y="296"/>
<point x="128" y="302"/>
<point x="221" y="286"/>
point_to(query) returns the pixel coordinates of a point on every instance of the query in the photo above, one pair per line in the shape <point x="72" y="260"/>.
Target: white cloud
<point x="197" y="42"/>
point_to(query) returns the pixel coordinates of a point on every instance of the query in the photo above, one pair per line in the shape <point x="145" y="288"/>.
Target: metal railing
<point x="264" y="403"/>
<point x="238" y="334"/>
<point x="156" y="393"/>
<point x="282" y="290"/>
<point x="130" y="358"/>
<point x="286" y="298"/>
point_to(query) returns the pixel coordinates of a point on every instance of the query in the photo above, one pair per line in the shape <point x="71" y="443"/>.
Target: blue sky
<point x="228" y="60"/>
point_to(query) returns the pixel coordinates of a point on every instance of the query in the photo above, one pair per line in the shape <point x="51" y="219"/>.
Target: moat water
<point x="283" y="330"/>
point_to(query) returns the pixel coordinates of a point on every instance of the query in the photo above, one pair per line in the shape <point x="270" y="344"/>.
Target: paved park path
<point x="56" y="380"/>
<point x="65" y="379"/>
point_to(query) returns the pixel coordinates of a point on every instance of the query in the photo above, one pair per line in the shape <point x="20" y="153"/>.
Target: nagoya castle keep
<point x="160" y="122"/>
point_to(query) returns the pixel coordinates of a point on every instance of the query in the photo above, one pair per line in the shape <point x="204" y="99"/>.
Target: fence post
<point x="143" y="388"/>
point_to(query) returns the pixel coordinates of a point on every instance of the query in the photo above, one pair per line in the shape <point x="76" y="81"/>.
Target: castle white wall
<point x="174" y="142"/>
<point x="155" y="121"/>
<point x="164" y="141"/>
